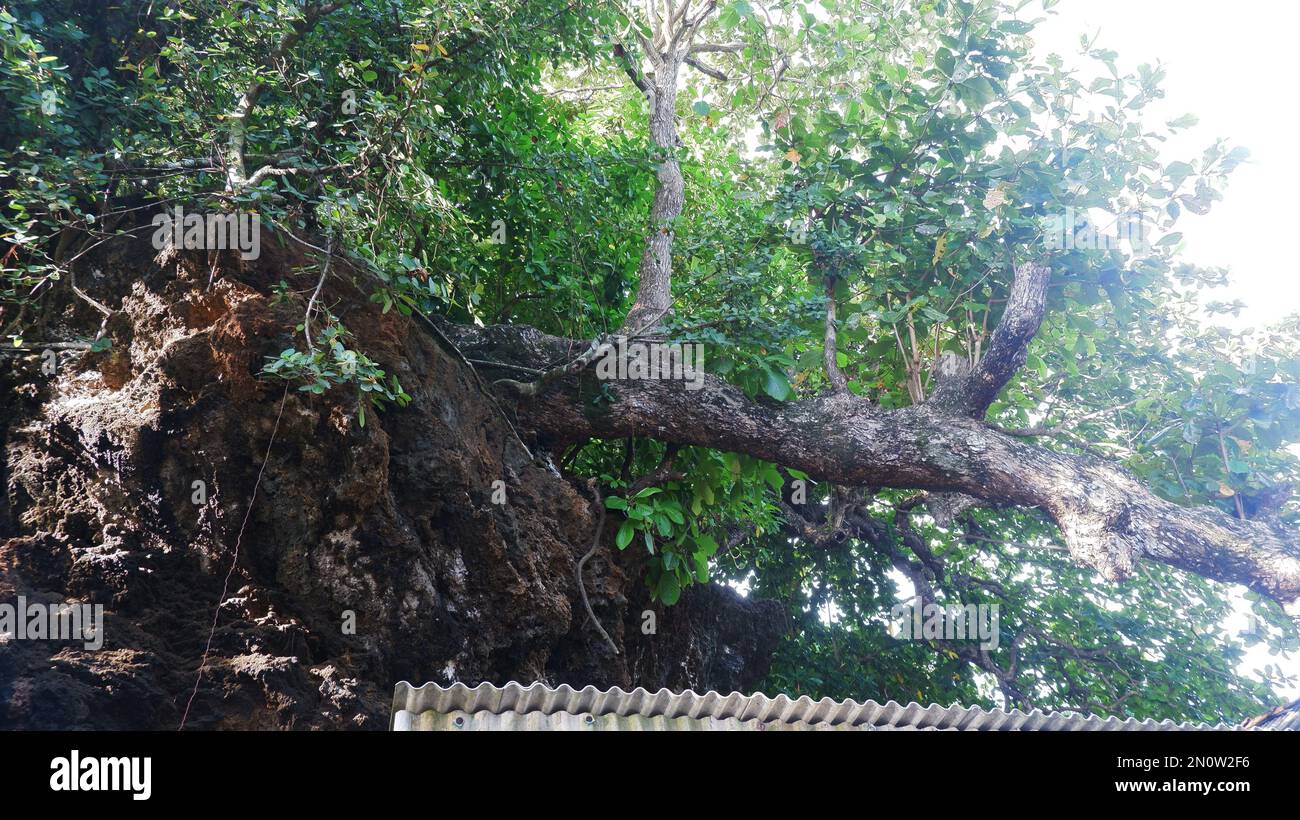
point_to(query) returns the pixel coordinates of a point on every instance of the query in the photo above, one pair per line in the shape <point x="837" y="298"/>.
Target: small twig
<point x="108" y="314"/>
<point x="1223" y="452"/>
<point x="35" y="346"/>
<point x="72" y="279"/>
<point x="1040" y="430"/>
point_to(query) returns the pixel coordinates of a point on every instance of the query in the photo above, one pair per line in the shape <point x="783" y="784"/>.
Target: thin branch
<point x="1040" y="430"/>
<point x="236" y="175"/>
<point x="629" y="68"/>
<point x="532" y="371"/>
<point x="704" y="68"/>
<point x="716" y="48"/>
<point x="72" y="280"/>
<point x="651" y="53"/>
<point x="311" y="303"/>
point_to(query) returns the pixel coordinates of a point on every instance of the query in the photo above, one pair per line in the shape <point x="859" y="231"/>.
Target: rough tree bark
<point x="654" y="293"/>
<point x="671" y="46"/>
<point x="1109" y="520"/>
<point x="126" y="474"/>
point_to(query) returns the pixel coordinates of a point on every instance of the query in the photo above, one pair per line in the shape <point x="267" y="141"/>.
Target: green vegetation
<point x="491" y="161"/>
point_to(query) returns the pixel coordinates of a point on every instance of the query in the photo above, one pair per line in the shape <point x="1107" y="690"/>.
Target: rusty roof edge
<point x="538" y="697"/>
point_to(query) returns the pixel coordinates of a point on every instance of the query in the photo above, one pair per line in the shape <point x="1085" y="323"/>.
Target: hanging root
<point x="582" y="588"/>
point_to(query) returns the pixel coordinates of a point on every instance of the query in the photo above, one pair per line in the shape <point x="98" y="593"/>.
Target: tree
<point x="849" y="207"/>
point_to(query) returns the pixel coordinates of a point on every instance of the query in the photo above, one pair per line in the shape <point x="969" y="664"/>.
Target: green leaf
<point x="977" y="90"/>
<point x="624" y="536"/>
<point x="934" y="314"/>
<point x="775" y="384"/>
<point x="708" y="546"/>
<point x="669" y="588"/>
<point x="773" y="477"/>
<point x="946" y="62"/>
<point x="1176" y="172"/>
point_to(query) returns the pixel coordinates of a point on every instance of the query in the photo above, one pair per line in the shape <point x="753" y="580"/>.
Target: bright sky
<point x="1230" y="64"/>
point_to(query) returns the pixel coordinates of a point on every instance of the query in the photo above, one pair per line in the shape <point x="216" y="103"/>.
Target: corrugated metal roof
<point x="540" y="707"/>
<point x="1284" y="718"/>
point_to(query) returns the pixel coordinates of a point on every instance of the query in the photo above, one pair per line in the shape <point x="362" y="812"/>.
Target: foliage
<point x="489" y="160"/>
<point x="331" y="364"/>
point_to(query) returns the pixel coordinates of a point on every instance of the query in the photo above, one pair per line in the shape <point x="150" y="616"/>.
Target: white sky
<point x="1230" y="64"/>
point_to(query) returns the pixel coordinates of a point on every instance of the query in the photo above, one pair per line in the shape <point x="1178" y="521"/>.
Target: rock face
<point x="370" y="554"/>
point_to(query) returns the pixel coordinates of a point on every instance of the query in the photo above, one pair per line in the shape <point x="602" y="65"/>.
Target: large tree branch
<point x="717" y="48"/>
<point x="1108" y="519"/>
<point x="972" y="394"/>
<point x="654" y="274"/>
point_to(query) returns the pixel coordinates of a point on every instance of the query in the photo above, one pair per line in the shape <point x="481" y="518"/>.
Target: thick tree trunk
<point x="426" y="545"/>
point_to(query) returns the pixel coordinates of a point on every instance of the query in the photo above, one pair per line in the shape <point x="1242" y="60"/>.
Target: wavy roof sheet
<point x="1285" y="718"/>
<point x="540" y="707"/>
